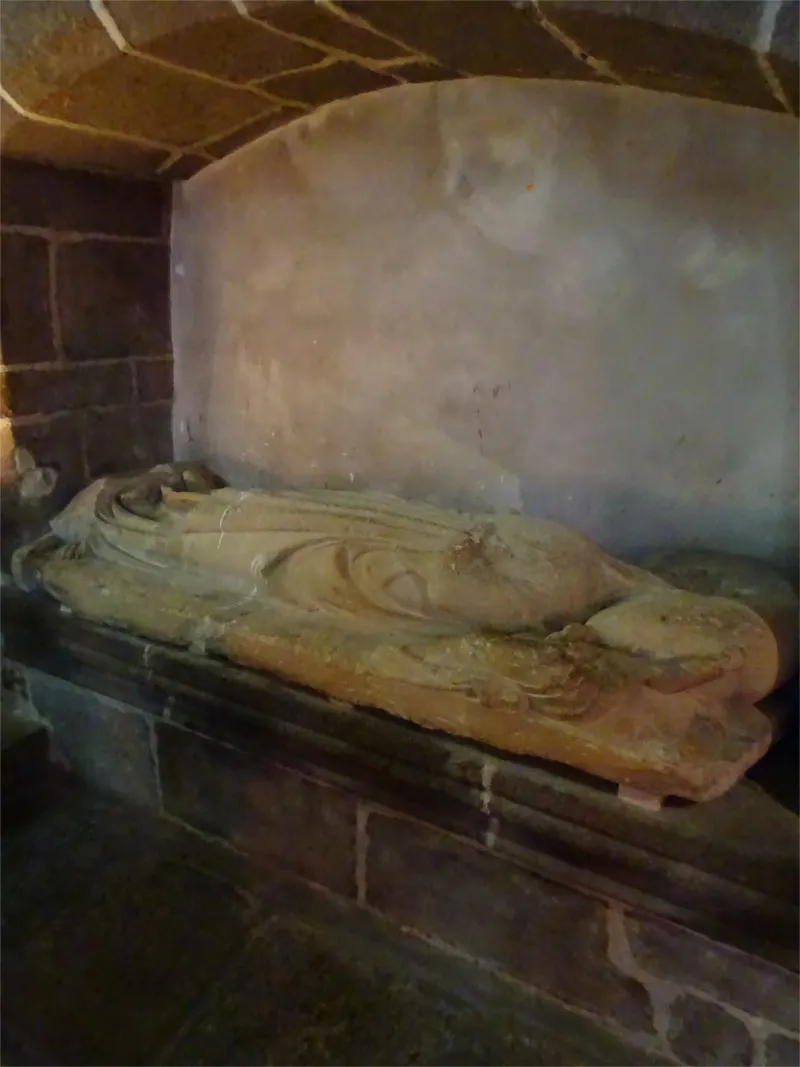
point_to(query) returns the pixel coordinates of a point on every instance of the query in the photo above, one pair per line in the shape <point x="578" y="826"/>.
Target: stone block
<point x="76" y="201"/>
<point x="305" y="998"/>
<point x="184" y="167"/>
<point x="371" y="754"/>
<point x="782" y="1051"/>
<point x="229" y="142"/>
<point x="109" y="662"/>
<point x="541" y="933"/>
<point x="66" y="41"/>
<point x="154" y="379"/>
<point x="424" y="72"/>
<point x="698" y="50"/>
<point x="724" y="20"/>
<point x="743" y="837"/>
<point x="481" y="37"/>
<point x="115" y="442"/>
<point x="317" y="23"/>
<point x="68" y="146"/>
<point x="113" y="299"/>
<point x="51" y="865"/>
<point x="746" y="982"/>
<point x="27" y="335"/>
<point x="445" y="798"/>
<point x="112" y="977"/>
<point x="155" y="421"/>
<point x="268" y="811"/>
<point x="210" y="37"/>
<point x="102" y="741"/>
<point x="45" y="391"/>
<point x="99" y="385"/>
<point x="701" y="1032"/>
<point x="127" y="439"/>
<point x="320" y="85"/>
<point x="317" y="981"/>
<point x="656" y="861"/>
<point x="169" y="107"/>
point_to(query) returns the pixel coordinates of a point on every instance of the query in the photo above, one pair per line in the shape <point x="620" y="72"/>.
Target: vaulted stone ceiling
<point x="164" y="87"/>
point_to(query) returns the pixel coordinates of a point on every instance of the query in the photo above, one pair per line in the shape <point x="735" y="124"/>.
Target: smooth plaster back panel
<point x="575" y="300"/>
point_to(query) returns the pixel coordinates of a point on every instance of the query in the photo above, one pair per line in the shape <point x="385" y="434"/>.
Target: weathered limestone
<point x="512" y="631"/>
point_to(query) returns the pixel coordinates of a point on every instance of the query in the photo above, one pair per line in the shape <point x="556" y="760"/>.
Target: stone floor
<point x="129" y="940"/>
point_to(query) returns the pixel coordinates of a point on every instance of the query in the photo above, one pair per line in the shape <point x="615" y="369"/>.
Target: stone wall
<point x="570" y="299"/>
<point x="681" y="996"/>
<point x="86" y="346"/>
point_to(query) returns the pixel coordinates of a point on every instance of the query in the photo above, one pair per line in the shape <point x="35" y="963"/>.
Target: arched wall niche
<point x="571" y="299"/>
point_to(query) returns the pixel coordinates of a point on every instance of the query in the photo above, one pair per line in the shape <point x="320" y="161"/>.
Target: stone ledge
<point x="726" y="869"/>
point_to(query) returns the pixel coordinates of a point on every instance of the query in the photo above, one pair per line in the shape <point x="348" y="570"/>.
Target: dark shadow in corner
<point x="778" y="773"/>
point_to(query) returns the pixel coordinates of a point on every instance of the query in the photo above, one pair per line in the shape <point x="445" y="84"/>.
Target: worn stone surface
<point x="208" y="57"/>
<point x="66" y="41"/>
<point x="183" y="167"/>
<point x="320" y="85"/>
<point x="116" y="441"/>
<point x="317" y="23"/>
<point x="504" y="39"/>
<point x="729" y="20"/>
<point x="210" y="37"/>
<point x="644" y="879"/>
<point x="295" y="995"/>
<point x="26" y="331"/>
<point x="155" y="421"/>
<point x="744" y="842"/>
<point x="45" y="391"/>
<point x="505" y="288"/>
<point x="162" y="105"/>
<point x="641" y="42"/>
<point x="104" y="744"/>
<point x="128" y="942"/>
<point x="153" y="379"/>
<point x="782" y="1051"/>
<point x="70" y="146"/>
<point x="272" y="813"/>
<point x="701" y="1032"/>
<point x="422" y="71"/>
<point x="542" y="933"/>
<point x="427" y="776"/>
<point x="24" y="771"/>
<point x="111" y="664"/>
<point x="744" y="981"/>
<point x="746" y="837"/>
<point x="244" y="134"/>
<point x="132" y="941"/>
<point x="72" y="201"/>
<point x="113" y="299"/>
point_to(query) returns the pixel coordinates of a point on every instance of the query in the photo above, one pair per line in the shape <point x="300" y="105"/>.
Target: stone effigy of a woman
<point x="513" y="631"/>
